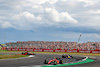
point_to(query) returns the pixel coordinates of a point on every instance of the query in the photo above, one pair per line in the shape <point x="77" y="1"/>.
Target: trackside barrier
<point x="84" y="51"/>
<point x="51" y="50"/>
<point x="48" y="50"/>
<point x="73" y="51"/>
<point x="38" y="50"/>
<point x="21" y="49"/>
<point x="59" y="50"/>
<point x="29" y="49"/>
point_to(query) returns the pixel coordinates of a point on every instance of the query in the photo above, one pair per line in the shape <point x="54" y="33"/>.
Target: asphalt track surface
<point x="39" y="59"/>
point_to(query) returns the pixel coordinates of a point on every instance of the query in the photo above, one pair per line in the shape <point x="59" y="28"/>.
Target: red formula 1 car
<point x="53" y="61"/>
<point x="27" y="53"/>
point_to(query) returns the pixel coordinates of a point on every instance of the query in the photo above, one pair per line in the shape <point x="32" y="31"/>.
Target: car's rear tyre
<point x="55" y="62"/>
<point x="61" y="62"/>
<point x="63" y="57"/>
<point x="22" y="53"/>
<point x="33" y="54"/>
<point x="71" y="56"/>
<point x="45" y="62"/>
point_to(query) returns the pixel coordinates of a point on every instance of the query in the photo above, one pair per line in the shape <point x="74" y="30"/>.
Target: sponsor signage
<point x="59" y="50"/>
<point x="13" y="49"/>
<point x="28" y="49"/>
<point x="84" y="51"/>
<point x="71" y="51"/>
<point x="22" y="49"/>
<point x="38" y="50"/>
<point x="95" y="51"/>
<point x="9" y="49"/>
<point x="51" y="50"/>
<point x="48" y="50"/>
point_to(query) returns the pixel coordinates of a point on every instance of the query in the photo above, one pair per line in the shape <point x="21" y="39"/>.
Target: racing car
<point x="53" y="61"/>
<point x="27" y="53"/>
<point x="67" y="56"/>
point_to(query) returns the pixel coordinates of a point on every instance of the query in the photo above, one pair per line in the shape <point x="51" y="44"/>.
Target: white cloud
<point x="36" y="1"/>
<point x="94" y="22"/>
<point x="50" y="13"/>
<point x="2" y="17"/>
<point x="55" y="16"/>
<point x="94" y="11"/>
<point x="37" y="9"/>
<point x="89" y="2"/>
<point x="68" y="15"/>
<point x="27" y="16"/>
<point x="42" y="1"/>
<point x="53" y="1"/>
<point x="5" y="24"/>
<point x="26" y="21"/>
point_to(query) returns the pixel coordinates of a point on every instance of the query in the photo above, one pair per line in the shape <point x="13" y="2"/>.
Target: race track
<point x="96" y="63"/>
<point x="39" y="59"/>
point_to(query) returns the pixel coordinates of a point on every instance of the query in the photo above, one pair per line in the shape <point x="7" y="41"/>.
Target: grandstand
<point x="55" y="45"/>
<point x="3" y="46"/>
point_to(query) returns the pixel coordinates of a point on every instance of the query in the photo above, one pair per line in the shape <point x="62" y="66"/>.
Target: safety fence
<point x="51" y="50"/>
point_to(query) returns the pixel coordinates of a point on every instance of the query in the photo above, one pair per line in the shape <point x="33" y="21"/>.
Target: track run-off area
<point x="37" y="61"/>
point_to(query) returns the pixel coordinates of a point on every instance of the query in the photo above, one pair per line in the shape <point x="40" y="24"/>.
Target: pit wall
<point x="51" y="50"/>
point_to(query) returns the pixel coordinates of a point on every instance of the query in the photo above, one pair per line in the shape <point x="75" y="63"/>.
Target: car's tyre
<point x="55" y="62"/>
<point x="63" y="56"/>
<point x="58" y="58"/>
<point x="45" y="62"/>
<point x="29" y="54"/>
<point x="33" y="54"/>
<point x="71" y="56"/>
<point x="61" y="62"/>
<point x="22" y="53"/>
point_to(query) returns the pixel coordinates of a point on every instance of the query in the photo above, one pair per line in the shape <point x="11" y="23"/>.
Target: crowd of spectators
<point x="55" y="45"/>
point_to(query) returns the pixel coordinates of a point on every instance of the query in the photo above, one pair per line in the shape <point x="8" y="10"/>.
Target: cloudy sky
<point x="49" y="20"/>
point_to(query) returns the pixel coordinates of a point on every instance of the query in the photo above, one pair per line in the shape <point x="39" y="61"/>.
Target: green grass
<point x="11" y="56"/>
<point x="92" y="54"/>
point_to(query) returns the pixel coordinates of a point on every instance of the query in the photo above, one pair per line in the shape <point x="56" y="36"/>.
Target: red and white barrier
<point x="51" y="50"/>
<point x="72" y="51"/>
